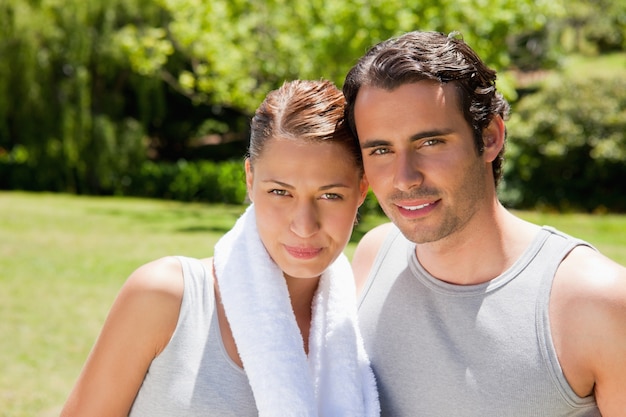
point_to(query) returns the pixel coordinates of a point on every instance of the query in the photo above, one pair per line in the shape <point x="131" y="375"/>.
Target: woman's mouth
<point x="301" y="252"/>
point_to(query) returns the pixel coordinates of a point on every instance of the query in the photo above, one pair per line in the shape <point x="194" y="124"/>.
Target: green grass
<point x="63" y="259"/>
<point x="607" y="232"/>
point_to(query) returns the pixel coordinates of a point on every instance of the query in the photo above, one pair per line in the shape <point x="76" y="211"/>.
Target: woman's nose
<point x="304" y="220"/>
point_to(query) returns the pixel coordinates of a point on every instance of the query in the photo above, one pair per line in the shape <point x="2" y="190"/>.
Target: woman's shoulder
<point x="165" y="286"/>
<point x="151" y="298"/>
<point x="166" y="274"/>
<point x="163" y="276"/>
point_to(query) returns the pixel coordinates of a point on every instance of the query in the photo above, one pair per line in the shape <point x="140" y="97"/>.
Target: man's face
<point x="420" y="158"/>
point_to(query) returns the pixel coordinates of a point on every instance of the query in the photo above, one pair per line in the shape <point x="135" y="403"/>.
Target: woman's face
<point x="306" y="197"/>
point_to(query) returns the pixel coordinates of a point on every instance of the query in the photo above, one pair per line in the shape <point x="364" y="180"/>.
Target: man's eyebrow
<point x="421" y="135"/>
<point x="432" y="133"/>
<point x="374" y="143"/>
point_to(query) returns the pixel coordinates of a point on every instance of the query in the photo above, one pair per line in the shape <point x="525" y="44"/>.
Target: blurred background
<point x="153" y="98"/>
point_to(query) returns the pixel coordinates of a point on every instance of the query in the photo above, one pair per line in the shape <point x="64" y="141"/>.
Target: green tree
<point x="584" y="30"/>
<point x="238" y="50"/>
<point x="65" y="106"/>
<point x="567" y="146"/>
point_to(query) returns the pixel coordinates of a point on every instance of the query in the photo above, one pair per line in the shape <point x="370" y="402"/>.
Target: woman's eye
<point x="279" y="192"/>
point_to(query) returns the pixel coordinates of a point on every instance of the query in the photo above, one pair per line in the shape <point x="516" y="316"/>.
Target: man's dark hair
<point x="418" y="56"/>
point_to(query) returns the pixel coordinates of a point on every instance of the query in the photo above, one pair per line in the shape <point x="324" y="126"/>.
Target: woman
<point x="268" y="325"/>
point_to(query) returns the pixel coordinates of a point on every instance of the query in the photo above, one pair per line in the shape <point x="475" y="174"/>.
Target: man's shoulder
<point x="366" y="251"/>
<point x="378" y="233"/>
<point x="591" y="275"/>
<point x="371" y="242"/>
<point x="588" y="318"/>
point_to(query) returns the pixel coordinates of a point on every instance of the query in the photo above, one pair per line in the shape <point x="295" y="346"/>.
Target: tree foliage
<point x="239" y="50"/>
<point x="567" y="146"/>
<point x="112" y="96"/>
<point x="67" y="99"/>
<point x="584" y="29"/>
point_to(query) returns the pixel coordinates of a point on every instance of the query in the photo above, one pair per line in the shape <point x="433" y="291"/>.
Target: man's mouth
<point x="414" y="208"/>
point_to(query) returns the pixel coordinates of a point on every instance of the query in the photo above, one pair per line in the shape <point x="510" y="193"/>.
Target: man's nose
<point x="406" y="172"/>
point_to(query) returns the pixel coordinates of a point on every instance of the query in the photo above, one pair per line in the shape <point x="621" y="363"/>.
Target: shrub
<point x="205" y="181"/>
<point x="567" y="147"/>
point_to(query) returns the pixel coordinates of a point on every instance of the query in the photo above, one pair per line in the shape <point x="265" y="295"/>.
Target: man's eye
<point x="431" y="142"/>
<point x="379" y="151"/>
<point x="331" y="196"/>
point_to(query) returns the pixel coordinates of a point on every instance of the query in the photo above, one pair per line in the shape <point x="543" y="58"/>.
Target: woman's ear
<point x="249" y="177"/>
<point x="363" y="187"/>
<point x="493" y="138"/>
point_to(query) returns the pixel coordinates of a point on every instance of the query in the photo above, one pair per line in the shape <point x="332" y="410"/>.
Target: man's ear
<point x="493" y="138"/>
<point x="249" y="177"/>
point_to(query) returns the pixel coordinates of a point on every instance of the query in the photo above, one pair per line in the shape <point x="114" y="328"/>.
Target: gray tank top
<point x="479" y="350"/>
<point x="194" y="376"/>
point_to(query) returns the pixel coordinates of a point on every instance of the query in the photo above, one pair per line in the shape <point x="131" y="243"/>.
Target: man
<point x="467" y="310"/>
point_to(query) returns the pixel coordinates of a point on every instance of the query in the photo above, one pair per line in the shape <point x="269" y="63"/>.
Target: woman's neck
<point x="301" y="292"/>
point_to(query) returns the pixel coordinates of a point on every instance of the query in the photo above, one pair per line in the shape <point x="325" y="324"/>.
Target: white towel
<point x="336" y="378"/>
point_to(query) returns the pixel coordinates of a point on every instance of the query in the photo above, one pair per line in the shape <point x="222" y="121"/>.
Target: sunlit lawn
<point x="63" y="259"/>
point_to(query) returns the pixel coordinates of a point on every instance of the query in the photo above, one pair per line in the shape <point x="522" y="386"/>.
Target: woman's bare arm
<point x="138" y="327"/>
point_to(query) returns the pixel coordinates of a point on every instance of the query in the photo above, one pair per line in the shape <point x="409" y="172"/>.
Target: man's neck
<point x="481" y="251"/>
